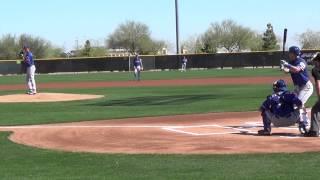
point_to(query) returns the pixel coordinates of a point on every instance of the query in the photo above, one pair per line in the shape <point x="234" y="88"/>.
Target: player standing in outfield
<point x="297" y="67"/>
<point x="184" y="64"/>
<point x="280" y="109"/>
<point x="31" y="70"/>
<point x="315" y="113"/>
<point x="138" y="67"/>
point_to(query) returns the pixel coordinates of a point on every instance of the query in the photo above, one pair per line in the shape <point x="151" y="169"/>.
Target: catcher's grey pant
<point x="30" y="79"/>
<point x="315" y="117"/>
<point x="277" y="121"/>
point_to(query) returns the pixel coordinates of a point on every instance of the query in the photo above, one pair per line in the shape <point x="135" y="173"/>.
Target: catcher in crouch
<point x="280" y="109"/>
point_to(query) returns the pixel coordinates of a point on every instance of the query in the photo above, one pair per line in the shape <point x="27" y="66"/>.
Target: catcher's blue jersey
<point x="281" y="104"/>
<point x="300" y="79"/>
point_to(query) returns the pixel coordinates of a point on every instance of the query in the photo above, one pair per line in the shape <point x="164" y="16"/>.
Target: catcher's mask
<point x="280" y="86"/>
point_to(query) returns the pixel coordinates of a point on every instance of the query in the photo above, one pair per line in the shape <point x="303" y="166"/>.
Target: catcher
<point x="280" y="109"/>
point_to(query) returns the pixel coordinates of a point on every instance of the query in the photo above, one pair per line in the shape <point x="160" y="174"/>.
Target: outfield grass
<point x="126" y="76"/>
<point x="136" y="102"/>
<point x="20" y="162"/>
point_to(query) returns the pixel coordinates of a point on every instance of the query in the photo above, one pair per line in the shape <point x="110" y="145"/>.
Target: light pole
<point x="177" y="27"/>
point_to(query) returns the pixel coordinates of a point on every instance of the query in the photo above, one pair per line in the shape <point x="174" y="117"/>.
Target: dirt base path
<point x="217" y="133"/>
<point x="154" y="83"/>
<point x="46" y="97"/>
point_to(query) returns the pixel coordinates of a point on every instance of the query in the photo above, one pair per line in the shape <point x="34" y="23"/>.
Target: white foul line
<point x="104" y="126"/>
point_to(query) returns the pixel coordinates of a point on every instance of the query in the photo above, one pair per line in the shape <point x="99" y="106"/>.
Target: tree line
<point x="135" y="37"/>
<point x="229" y="36"/>
<point x="11" y="45"/>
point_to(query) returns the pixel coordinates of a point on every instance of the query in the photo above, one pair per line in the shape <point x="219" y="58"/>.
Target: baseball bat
<point x="285" y="33"/>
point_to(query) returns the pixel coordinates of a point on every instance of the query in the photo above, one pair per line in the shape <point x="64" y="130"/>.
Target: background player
<point x="184" y="64"/>
<point x="31" y="70"/>
<point x="280" y="109"/>
<point x="297" y="67"/>
<point x="315" y="113"/>
<point x="138" y="67"/>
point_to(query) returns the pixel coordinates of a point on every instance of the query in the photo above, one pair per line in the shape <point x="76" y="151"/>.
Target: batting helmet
<point x="295" y="50"/>
<point x="280" y="86"/>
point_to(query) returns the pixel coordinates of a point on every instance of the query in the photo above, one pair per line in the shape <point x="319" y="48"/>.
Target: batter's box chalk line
<point x="231" y="130"/>
<point x="184" y="130"/>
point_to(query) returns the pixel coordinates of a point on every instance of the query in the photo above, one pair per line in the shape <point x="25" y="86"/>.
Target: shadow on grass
<point x="158" y="100"/>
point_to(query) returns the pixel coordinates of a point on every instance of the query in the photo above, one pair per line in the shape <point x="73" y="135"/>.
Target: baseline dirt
<point x="216" y="133"/>
<point x="46" y="97"/>
<point x="153" y="83"/>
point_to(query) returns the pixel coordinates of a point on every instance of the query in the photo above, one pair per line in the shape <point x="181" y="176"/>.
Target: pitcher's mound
<point x="46" y="97"/>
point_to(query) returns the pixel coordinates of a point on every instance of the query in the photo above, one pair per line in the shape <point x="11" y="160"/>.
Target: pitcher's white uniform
<point x="31" y="70"/>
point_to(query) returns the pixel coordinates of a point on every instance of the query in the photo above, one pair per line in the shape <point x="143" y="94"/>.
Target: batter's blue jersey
<point x="28" y="59"/>
<point x="300" y="79"/>
<point x="281" y="105"/>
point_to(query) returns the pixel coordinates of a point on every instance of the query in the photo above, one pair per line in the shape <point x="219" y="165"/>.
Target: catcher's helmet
<point x="280" y="86"/>
<point x="295" y="50"/>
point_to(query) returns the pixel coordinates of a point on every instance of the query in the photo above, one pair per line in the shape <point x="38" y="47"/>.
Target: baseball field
<point x="171" y="125"/>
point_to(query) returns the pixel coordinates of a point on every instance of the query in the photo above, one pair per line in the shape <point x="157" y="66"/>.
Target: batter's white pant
<point x="30" y="79"/>
<point x="304" y="93"/>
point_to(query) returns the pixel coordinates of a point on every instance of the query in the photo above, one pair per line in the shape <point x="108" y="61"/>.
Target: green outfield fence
<point x="223" y="60"/>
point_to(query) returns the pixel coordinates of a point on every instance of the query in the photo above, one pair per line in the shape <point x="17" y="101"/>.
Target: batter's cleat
<point x="303" y="128"/>
<point x="312" y="134"/>
<point x="264" y="133"/>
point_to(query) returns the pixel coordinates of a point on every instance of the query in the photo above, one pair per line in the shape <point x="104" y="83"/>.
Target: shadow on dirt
<point x="293" y="135"/>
